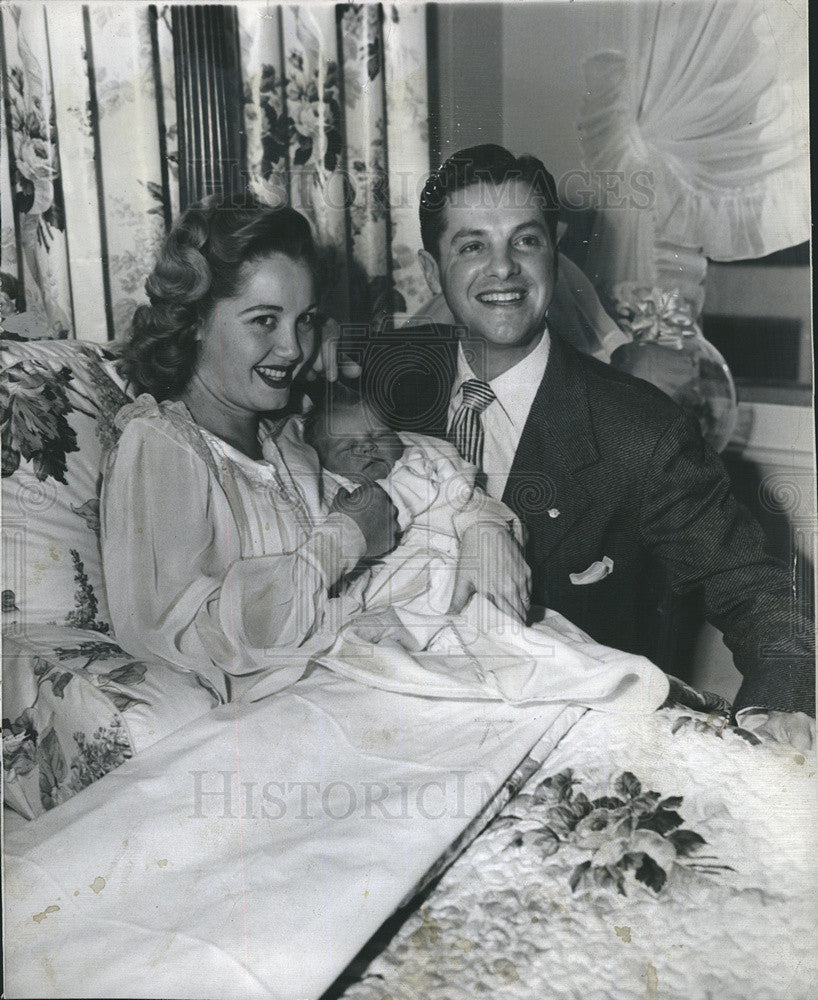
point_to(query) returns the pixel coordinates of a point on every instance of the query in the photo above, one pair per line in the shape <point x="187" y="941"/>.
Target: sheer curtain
<point x="115" y="116"/>
<point x="702" y="100"/>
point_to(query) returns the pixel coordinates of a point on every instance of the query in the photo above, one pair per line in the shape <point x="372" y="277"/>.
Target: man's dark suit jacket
<point x="632" y="479"/>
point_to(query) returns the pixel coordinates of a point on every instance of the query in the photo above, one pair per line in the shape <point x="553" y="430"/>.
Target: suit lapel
<point x="546" y="485"/>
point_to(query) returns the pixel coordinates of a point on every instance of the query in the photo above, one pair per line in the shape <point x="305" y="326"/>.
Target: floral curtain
<point x="696" y="99"/>
<point x="336" y="116"/>
<point x="85" y="195"/>
<point x="335" y="113"/>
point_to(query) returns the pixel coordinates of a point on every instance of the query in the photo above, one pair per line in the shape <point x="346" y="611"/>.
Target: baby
<point x="431" y="486"/>
<point x="395" y="627"/>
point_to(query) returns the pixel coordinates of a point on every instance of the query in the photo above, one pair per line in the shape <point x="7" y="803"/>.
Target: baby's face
<point x="354" y="443"/>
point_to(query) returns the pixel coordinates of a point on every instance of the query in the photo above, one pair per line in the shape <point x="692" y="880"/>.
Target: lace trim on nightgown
<point x="177" y="415"/>
<point x="220" y="456"/>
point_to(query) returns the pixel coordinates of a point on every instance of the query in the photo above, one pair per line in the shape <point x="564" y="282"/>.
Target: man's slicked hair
<point x="486" y="164"/>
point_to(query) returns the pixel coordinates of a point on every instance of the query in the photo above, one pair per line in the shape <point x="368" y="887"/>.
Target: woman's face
<point x="253" y="344"/>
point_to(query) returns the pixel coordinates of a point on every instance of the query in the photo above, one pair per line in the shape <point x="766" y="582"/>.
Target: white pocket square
<point x="596" y="571"/>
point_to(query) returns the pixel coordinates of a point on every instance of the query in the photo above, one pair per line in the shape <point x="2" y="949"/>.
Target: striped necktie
<point x="466" y="429"/>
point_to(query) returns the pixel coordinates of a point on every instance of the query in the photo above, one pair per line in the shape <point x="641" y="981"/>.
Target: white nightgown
<point x="213" y="561"/>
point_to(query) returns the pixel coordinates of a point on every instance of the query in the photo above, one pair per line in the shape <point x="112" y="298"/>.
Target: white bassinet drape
<point x="709" y="100"/>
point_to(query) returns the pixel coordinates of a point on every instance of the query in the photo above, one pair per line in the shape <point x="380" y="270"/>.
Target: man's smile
<point x="502" y="298"/>
<point x="496" y="267"/>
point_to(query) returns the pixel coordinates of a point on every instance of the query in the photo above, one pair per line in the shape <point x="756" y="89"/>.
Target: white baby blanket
<point x="484" y="654"/>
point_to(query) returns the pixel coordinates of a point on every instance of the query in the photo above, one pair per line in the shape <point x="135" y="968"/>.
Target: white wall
<point x="544" y="47"/>
<point x="470" y="74"/>
<point x="511" y="72"/>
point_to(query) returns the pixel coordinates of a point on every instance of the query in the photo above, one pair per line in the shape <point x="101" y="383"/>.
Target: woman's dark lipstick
<point x="276" y="376"/>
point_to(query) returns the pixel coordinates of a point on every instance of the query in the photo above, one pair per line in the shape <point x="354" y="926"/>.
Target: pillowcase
<point x="76" y="706"/>
<point x="58" y="400"/>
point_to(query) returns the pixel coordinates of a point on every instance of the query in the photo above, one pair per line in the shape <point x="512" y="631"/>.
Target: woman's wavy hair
<point x="200" y="263"/>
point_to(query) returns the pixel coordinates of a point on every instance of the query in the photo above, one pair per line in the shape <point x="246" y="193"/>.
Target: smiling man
<point x="496" y="258"/>
<point x="619" y="494"/>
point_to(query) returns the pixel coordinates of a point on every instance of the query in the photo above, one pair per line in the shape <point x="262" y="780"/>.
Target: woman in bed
<point x="211" y="557"/>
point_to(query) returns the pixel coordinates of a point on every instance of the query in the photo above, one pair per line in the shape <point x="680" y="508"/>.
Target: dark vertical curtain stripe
<point x="384" y="192"/>
<point x="433" y="85"/>
<point x="182" y="108"/>
<point x="93" y="114"/>
<point x="9" y="152"/>
<point x="153" y="17"/>
<point x="211" y="151"/>
<point x="195" y="149"/>
<point x="235" y="152"/>
<point x="214" y="98"/>
<point x="209" y="100"/>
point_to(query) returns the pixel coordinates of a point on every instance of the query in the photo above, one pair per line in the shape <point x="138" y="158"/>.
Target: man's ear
<point x="431" y="272"/>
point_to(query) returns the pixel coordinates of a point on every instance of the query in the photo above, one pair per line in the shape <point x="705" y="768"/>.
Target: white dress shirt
<point x="504" y="418"/>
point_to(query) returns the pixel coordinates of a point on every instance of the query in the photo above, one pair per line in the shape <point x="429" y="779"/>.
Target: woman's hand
<point x="327" y="360"/>
<point x="491" y="563"/>
<point x="371" y="509"/>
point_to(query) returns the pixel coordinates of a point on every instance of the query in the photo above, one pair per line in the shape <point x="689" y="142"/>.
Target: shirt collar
<point x="516" y="388"/>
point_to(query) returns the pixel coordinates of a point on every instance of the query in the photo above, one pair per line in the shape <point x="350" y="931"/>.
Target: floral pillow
<point x="76" y="706"/>
<point x="58" y="400"/>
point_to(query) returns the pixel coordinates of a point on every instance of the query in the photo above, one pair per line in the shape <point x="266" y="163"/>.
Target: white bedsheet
<point x="167" y="879"/>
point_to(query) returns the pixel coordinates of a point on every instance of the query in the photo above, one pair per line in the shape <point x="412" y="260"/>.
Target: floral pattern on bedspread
<point x="666" y="857"/>
<point x="634" y="834"/>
